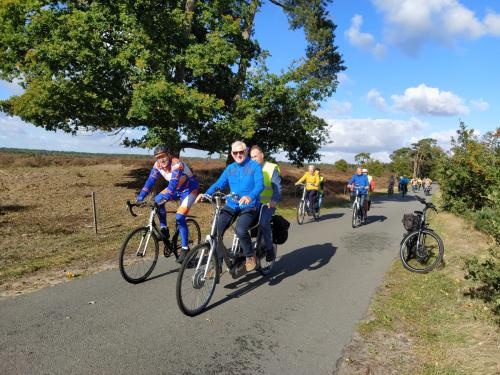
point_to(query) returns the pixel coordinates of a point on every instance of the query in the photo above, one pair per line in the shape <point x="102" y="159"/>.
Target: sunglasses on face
<point x="242" y="152"/>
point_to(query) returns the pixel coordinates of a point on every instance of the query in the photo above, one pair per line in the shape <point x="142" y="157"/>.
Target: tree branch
<point x="278" y="4"/>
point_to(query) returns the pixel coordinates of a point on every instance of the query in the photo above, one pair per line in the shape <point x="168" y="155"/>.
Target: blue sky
<point x="414" y="69"/>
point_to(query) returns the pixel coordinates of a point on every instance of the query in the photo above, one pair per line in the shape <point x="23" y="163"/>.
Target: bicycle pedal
<point x="167" y="252"/>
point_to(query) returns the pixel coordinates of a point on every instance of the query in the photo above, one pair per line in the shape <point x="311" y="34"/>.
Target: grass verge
<point x="425" y="324"/>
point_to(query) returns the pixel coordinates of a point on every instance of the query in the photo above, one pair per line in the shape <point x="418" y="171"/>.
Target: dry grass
<point x="46" y="212"/>
<point x="424" y="324"/>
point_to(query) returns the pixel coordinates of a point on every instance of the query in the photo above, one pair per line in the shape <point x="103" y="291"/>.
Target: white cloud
<point x="15" y="133"/>
<point x="364" y="41"/>
<point x="480" y="105"/>
<point x="344" y="79"/>
<point x="492" y="23"/>
<point x="410" y="24"/>
<point x="341" y="108"/>
<point x="376" y="99"/>
<point x="377" y="136"/>
<point x="424" y="100"/>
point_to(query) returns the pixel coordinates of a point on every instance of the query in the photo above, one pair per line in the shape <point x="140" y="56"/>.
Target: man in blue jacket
<point x="246" y="182"/>
<point x="359" y="181"/>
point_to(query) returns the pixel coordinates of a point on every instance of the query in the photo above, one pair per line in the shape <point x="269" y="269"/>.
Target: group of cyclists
<point x="416" y="183"/>
<point x="254" y="185"/>
<point x="252" y="182"/>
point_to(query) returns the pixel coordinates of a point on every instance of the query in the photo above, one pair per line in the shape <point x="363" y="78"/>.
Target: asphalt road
<point x="296" y="321"/>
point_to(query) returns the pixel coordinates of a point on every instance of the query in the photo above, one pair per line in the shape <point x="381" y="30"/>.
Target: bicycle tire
<point x="301" y="212"/>
<point x="405" y="256"/>
<point x="126" y="270"/>
<point x="355" y="217"/>
<point x="185" y="280"/>
<point x="265" y="267"/>
<point x="194" y="237"/>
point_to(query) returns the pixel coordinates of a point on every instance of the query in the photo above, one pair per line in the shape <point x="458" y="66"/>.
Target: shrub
<point x="487" y="273"/>
<point x="341" y="165"/>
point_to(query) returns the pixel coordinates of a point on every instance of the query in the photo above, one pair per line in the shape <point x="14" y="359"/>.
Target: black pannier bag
<point x="280" y="229"/>
<point x="410" y="222"/>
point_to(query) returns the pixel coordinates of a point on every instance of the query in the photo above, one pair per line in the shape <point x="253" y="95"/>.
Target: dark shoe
<point x="270" y="255"/>
<point x="165" y="234"/>
<point x="182" y="255"/>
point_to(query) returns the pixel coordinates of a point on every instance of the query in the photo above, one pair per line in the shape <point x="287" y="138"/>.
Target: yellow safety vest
<point x="267" y="171"/>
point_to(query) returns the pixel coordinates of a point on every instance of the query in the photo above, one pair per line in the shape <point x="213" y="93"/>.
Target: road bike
<point x="303" y="206"/>
<point x="421" y="249"/>
<point x="202" y="268"/>
<point x="139" y="251"/>
<point x="357" y="210"/>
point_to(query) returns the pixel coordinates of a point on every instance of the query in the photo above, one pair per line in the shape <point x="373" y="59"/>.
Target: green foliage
<point x="362" y="157"/>
<point x="402" y="161"/>
<point x="471" y="175"/>
<point x="487" y="274"/>
<point x="375" y="167"/>
<point x="428" y="155"/>
<point x="177" y="69"/>
<point x="341" y="165"/>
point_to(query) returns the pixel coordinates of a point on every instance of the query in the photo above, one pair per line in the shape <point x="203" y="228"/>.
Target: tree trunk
<point x="180" y="69"/>
<point x="246" y="33"/>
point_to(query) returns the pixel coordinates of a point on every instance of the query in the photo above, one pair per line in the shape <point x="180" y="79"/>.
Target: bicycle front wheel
<point x="356" y="221"/>
<point x="138" y="255"/>
<point x="421" y="256"/>
<point x="194" y="237"/>
<point x="196" y="280"/>
<point x="301" y="213"/>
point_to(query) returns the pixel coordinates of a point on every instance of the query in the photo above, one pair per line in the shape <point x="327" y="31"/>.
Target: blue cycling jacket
<point x="360" y="181"/>
<point x="243" y="179"/>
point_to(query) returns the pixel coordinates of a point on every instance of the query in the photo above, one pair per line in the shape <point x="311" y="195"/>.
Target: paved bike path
<point x="296" y="321"/>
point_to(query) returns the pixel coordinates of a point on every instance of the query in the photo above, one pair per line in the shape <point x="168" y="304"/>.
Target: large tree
<point x="188" y="72"/>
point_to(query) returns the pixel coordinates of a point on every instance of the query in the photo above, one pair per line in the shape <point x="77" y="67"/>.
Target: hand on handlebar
<point x="202" y="198"/>
<point x="245" y="200"/>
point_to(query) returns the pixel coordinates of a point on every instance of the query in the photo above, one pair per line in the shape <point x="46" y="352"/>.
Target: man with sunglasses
<point x="246" y="182"/>
<point x="181" y="185"/>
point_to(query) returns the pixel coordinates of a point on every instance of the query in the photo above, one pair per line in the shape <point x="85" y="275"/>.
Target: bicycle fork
<point x="147" y="237"/>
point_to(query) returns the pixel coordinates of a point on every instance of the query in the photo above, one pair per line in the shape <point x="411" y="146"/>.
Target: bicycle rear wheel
<point x="301" y="213"/>
<point x="424" y="255"/>
<point x="138" y="255"/>
<point x="193" y="239"/>
<point x="265" y="267"/>
<point x="193" y="291"/>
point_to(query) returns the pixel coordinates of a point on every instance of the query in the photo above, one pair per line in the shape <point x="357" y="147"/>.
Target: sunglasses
<point x="242" y="152"/>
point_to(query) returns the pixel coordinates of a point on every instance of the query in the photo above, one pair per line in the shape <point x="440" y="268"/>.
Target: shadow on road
<point x="307" y="258"/>
<point x="335" y="215"/>
<point x="161" y="275"/>
<point x="375" y="218"/>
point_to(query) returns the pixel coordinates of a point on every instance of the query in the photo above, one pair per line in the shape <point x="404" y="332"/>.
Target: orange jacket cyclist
<point x="311" y="178"/>
<point x="181" y="185"/>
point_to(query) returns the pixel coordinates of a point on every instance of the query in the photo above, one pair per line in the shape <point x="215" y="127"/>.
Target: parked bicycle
<point x="139" y="251"/>
<point x="202" y="268"/>
<point x="303" y="206"/>
<point x="357" y="210"/>
<point x="421" y="249"/>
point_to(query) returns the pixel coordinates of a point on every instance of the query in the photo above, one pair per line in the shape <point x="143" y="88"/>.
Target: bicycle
<point x="139" y="251"/>
<point x="202" y="268"/>
<point x="357" y="210"/>
<point x="427" y="190"/>
<point x="404" y="189"/>
<point x="304" y="205"/>
<point x="421" y="249"/>
<point x="390" y="190"/>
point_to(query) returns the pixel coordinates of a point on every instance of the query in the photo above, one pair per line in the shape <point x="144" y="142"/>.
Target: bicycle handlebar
<point x="427" y="204"/>
<point x="131" y="205"/>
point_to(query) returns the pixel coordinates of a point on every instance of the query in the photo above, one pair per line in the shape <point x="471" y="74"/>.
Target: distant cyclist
<point x="391" y="184"/>
<point x="181" y="185"/>
<point x="359" y="181"/>
<point x="311" y="178"/>
<point x="414" y="184"/>
<point x="403" y="184"/>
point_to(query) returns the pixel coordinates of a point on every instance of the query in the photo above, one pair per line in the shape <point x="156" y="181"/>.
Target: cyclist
<point x="403" y="184"/>
<point x="181" y="185"/>
<point x="419" y="183"/>
<point x="360" y="181"/>
<point x="270" y="196"/>
<point x="311" y="178"/>
<point x="371" y="184"/>
<point x="414" y="184"/>
<point x="321" y="189"/>
<point x="391" y="184"/>
<point x="427" y="183"/>
<point x="246" y="182"/>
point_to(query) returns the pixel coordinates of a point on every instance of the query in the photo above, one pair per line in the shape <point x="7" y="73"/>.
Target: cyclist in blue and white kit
<point x="359" y="181"/>
<point x="181" y="185"/>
